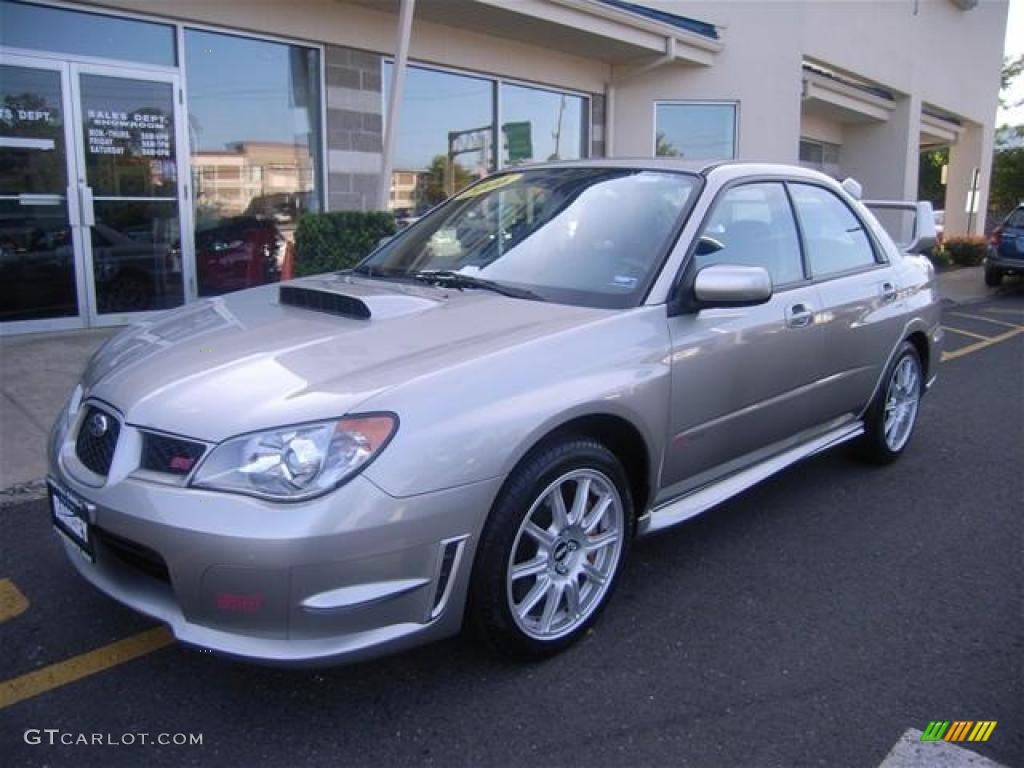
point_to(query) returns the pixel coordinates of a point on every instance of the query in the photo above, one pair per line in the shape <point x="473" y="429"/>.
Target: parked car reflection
<point x="238" y="253"/>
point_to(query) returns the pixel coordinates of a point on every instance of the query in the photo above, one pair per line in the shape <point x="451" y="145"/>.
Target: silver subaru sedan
<point x="472" y="425"/>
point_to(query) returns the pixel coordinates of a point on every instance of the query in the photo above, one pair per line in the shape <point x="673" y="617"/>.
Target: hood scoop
<point x="329" y="302"/>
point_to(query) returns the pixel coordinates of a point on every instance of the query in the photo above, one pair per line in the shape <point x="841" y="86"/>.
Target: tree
<point x="929" y="182"/>
<point x="1006" y="189"/>
<point x="665" y="148"/>
<point x="1012" y="69"/>
<point x="430" y="186"/>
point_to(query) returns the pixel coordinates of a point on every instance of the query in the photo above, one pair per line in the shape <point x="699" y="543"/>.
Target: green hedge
<point x="965" y="250"/>
<point x="327" y="242"/>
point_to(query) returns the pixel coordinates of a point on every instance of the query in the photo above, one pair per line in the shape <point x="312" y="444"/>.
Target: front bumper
<point x="350" y="575"/>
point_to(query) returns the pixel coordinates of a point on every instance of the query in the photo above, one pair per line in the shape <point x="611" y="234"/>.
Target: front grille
<point x="97" y="439"/>
<point x="173" y="455"/>
<point x="134" y="555"/>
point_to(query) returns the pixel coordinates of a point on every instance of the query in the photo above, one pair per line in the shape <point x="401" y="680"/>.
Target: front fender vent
<point x="323" y="301"/>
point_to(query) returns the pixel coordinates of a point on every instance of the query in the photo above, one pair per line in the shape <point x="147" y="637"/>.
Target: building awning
<point x="939" y="129"/>
<point x="828" y="95"/>
<point x="612" y="31"/>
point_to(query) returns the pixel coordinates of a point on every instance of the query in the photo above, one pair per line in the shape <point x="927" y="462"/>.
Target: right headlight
<point x="299" y="462"/>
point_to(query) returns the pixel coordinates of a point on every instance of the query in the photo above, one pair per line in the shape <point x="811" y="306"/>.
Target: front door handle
<point x="85" y="202"/>
<point x="799" y="316"/>
<point x="888" y="293"/>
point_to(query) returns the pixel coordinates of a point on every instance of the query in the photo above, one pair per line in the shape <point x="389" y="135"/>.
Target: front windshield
<point x="589" y="236"/>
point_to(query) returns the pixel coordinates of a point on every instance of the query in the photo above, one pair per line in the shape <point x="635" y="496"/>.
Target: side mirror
<point x="732" y="285"/>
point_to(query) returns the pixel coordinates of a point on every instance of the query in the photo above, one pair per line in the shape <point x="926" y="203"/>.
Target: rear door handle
<point x="888" y="293"/>
<point x="799" y="316"/>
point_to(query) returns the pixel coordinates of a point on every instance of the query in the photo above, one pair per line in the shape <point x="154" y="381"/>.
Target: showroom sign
<point x="121" y="133"/>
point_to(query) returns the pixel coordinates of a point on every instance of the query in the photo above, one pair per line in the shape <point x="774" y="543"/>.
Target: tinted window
<point x="1016" y="218"/>
<point x="86" y="34"/>
<point x="254" y="121"/>
<point x="835" y="238"/>
<point x="585" y="236"/>
<point x="754" y="225"/>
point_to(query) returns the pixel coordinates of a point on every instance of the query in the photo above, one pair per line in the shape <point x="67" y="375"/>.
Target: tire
<point x="993" y="277"/>
<point x="902" y="385"/>
<point x="529" y="614"/>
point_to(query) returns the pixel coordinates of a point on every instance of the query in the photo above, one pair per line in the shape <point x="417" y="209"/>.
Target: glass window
<point x="753" y="225"/>
<point x="820" y="155"/>
<point x="86" y="34"/>
<point x="445" y="138"/>
<point x="585" y="236"/>
<point x="37" y="267"/>
<point x="835" y="238"/>
<point x="695" y="131"/>
<point x="254" y="122"/>
<point x="540" y="126"/>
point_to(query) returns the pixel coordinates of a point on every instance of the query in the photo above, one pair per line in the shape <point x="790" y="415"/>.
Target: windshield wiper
<point x="446" y="277"/>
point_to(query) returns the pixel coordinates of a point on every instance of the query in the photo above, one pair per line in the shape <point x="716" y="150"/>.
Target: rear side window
<point x="1016" y="219"/>
<point x="755" y="227"/>
<point x="835" y="238"/>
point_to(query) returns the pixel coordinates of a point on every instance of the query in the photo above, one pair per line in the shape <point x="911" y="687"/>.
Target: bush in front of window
<point x="327" y="242"/>
<point x="965" y="250"/>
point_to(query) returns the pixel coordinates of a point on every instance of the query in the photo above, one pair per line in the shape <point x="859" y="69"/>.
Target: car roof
<point x="727" y="168"/>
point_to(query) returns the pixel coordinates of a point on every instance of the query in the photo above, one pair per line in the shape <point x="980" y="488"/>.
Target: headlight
<point x="295" y="463"/>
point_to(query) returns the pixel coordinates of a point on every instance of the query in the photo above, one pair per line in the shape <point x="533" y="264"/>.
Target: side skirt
<point x="693" y="503"/>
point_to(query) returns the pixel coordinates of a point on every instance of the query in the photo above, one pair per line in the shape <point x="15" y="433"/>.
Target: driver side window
<point x="754" y="226"/>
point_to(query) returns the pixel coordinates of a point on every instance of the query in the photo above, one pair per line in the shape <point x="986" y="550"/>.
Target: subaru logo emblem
<point x="98" y="424"/>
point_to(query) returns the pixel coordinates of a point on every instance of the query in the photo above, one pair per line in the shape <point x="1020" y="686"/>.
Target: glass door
<point x="130" y="187"/>
<point x="40" y="249"/>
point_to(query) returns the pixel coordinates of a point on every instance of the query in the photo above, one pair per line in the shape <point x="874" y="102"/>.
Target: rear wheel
<point x="889" y="421"/>
<point x="552" y="550"/>
<point x="993" y="277"/>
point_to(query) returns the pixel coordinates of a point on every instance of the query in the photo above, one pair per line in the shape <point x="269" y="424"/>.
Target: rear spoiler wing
<point x="917" y="236"/>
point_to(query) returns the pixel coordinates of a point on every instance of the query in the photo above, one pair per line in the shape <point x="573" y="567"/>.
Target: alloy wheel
<point x="565" y="554"/>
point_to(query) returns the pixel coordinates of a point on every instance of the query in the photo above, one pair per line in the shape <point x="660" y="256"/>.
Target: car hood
<point x="244" y="362"/>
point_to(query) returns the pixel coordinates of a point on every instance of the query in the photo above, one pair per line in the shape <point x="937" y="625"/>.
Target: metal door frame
<point x="83" y="191"/>
<point x="74" y="214"/>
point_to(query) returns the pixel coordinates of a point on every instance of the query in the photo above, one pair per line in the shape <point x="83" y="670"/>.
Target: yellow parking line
<point x="979" y="345"/>
<point x="73" y="669"/>
<point x="988" y="320"/>
<point x="12" y="602"/>
<point x="962" y="332"/>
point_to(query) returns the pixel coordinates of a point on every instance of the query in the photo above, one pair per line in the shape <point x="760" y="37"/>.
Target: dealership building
<point x="155" y="153"/>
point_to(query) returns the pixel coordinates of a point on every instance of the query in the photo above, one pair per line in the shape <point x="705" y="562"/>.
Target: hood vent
<point x="323" y="301"/>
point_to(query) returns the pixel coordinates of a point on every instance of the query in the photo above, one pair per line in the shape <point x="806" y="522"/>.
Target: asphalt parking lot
<point x="811" y="621"/>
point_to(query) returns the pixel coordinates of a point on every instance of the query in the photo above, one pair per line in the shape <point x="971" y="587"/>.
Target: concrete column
<point x="973" y="149"/>
<point x="884" y="157"/>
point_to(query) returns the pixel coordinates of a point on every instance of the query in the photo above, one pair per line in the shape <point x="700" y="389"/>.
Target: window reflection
<point x="696" y="131"/>
<point x="37" y="27"/>
<point x="445" y="137"/>
<point x="540" y="126"/>
<point x="254" y="122"/>
<point x="37" y="269"/>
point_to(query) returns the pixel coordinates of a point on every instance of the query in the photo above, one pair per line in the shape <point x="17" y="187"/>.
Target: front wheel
<point x="889" y="421"/>
<point x="552" y="549"/>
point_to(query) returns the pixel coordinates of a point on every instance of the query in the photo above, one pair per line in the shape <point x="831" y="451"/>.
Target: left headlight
<point x="296" y="463"/>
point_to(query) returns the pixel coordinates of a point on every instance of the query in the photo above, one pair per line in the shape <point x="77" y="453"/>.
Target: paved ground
<point x="810" y="622"/>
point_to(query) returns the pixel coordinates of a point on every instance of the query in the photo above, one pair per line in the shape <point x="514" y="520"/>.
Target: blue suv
<point x="1006" y="248"/>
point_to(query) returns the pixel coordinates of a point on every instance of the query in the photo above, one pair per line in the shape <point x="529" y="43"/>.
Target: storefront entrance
<point x="92" y="194"/>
